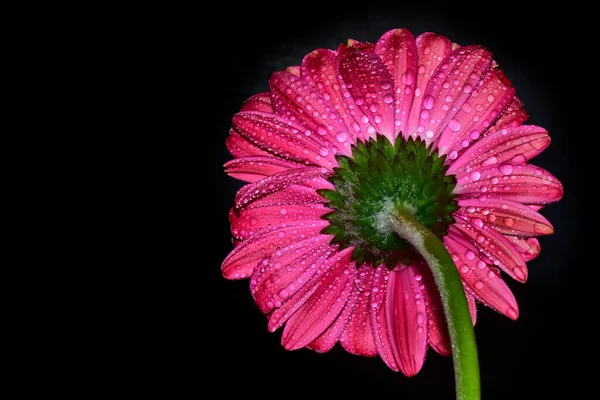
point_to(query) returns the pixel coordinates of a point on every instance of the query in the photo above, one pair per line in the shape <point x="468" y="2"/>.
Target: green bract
<point x="379" y="178"/>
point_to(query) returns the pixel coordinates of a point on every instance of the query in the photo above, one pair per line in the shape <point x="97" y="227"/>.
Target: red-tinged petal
<point x="294" y="70"/>
<point x="330" y="337"/>
<point x="291" y="195"/>
<point x="485" y="105"/>
<point x="259" y="102"/>
<point x="521" y="144"/>
<point x="398" y="50"/>
<point x="494" y="246"/>
<point x="522" y="183"/>
<point x="282" y="314"/>
<point x="252" y="219"/>
<point x="514" y="115"/>
<point x="529" y="248"/>
<point x="438" y="336"/>
<point x="449" y="88"/>
<point x="357" y="338"/>
<point x="274" y="183"/>
<point x="282" y="138"/>
<point x="253" y="169"/>
<point x="295" y="99"/>
<point x="240" y="263"/>
<point x="371" y="87"/>
<point x="320" y="69"/>
<point x="378" y="317"/>
<point x="472" y="307"/>
<point x="406" y="318"/>
<point x="365" y="47"/>
<point x="240" y="147"/>
<point x="287" y="271"/>
<point x="481" y="280"/>
<point x="431" y="50"/>
<point x="508" y="217"/>
<point x="324" y="306"/>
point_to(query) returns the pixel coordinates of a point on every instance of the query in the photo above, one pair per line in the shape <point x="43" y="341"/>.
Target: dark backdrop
<point x="534" y="356"/>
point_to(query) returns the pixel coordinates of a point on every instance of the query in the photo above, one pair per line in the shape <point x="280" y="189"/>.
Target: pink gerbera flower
<point x="354" y="137"/>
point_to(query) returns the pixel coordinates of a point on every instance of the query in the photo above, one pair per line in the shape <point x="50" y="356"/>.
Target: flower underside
<point x="378" y="179"/>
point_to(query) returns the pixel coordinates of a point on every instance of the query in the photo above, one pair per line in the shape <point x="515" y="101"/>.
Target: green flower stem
<point x="456" y="308"/>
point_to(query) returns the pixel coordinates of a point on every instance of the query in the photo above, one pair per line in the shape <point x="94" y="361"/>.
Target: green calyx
<point x="379" y="178"/>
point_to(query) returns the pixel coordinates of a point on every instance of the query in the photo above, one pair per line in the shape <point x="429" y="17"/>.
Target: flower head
<point x="348" y="137"/>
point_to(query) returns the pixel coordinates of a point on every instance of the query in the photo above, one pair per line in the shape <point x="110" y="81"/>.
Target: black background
<point x="530" y="358"/>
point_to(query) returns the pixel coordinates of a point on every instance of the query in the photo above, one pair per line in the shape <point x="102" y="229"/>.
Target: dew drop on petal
<point x="475" y="175"/>
<point x="479" y="285"/>
<point x="323" y="151"/>
<point x="454" y="125"/>
<point x="341" y="136"/>
<point x="388" y="98"/>
<point x="428" y="102"/>
<point x="506" y="169"/>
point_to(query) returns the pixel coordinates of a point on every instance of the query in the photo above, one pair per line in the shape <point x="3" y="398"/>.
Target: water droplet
<point x="509" y="222"/>
<point x="321" y="130"/>
<point x="464" y="269"/>
<point x="298" y="99"/>
<point x="454" y="125"/>
<point x="467" y="88"/>
<point x="408" y="77"/>
<point x="364" y="119"/>
<point x="490" y="98"/>
<point x="385" y="85"/>
<point x="453" y="154"/>
<point x="420" y="318"/>
<point x="420" y="329"/>
<point x="283" y="293"/>
<point x="323" y="151"/>
<point x="359" y="101"/>
<point x="428" y="102"/>
<point x="341" y="136"/>
<point x="424" y="114"/>
<point x="429" y="134"/>
<point x="506" y="169"/>
<point x="378" y="118"/>
<point x="474" y="135"/>
<point x="253" y="221"/>
<point x="388" y="98"/>
<point x="371" y="130"/>
<point x="475" y="175"/>
<point x="469" y="255"/>
<point x="478" y="285"/>
<point x="283" y="211"/>
<point x="480" y="264"/>
<point x="478" y="223"/>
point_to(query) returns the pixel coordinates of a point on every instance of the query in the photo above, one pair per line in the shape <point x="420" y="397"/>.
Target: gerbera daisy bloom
<point x="370" y="170"/>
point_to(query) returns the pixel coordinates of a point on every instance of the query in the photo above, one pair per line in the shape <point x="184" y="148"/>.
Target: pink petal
<point x="482" y="281"/>
<point x="485" y="105"/>
<point x="521" y="144"/>
<point x="295" y="99"/>
<point x="372" y="89"/>
<point x="319" y="312"/>
<point x="514" y="115"/>
<point x="274" y="183"/>
<point x="379" y="319"/>
<point x="252" y="219"/>
<point x="282" y="314"/>
<point x="320" y="69"/>
<point x="287" y="271"/>
<point x="330" y="337"/>
<point x="431" y="50"/>
<point x="449" y="88"/>
<point x="357" y="338"/>
<point x="398" y="50"/>
<point x="439" y="338"/>
<point x="291" y="195"/>
<point x="294" y="70"/>
<point x="253" y="169"/>
<point x="494" y="246"/>
<point x="529" y="248"/>
<point x="365" y="47"/>
<point x="241" y="147"/>
<point x="522" y="183"/>
<point x="506" y="216"/>
<point x="282" y="138"/>
<point x="259" y="102"/>
<point x="406" y="319"/>
<point x="240" y="263"/>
